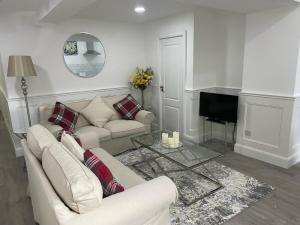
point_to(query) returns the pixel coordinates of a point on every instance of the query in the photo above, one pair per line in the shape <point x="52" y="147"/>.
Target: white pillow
<point x="38" y="138"/>
<point x="97" y="112"/>
<point x="78" y="187"/>
<point x="70" y="143"/>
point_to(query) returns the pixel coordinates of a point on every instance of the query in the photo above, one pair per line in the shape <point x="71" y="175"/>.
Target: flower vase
<point x="143" y="99"/>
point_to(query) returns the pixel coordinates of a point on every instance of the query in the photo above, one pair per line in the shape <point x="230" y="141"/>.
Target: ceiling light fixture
<point x="140" y="9"/>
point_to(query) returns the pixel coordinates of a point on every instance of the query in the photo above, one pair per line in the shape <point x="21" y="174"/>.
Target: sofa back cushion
<point x="97" y="112"/>
<point x="72" y="144"/>
<point x="39" y="138"/>
<point x="110" y="101"/>
<point x="109" y="185"/>
<point x="46" y="111"/>
<point x="77" y="186"/>
<point x="64" y="116"/>
<point x="128" y="107"/>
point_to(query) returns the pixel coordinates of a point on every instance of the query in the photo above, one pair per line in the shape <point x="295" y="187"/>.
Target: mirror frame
<point x="66" y="65"/>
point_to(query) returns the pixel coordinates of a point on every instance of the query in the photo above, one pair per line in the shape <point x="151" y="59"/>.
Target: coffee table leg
<point x="144" y="158"/>
<point x="210" y="173"/>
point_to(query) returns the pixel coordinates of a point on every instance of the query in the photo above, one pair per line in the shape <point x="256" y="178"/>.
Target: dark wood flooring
<point x="282" y="207"/>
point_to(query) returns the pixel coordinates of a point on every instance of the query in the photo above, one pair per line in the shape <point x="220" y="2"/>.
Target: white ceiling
<point x="123" y="10"/>
<point x="12" y="6"/>
<point x="242" y="6"/>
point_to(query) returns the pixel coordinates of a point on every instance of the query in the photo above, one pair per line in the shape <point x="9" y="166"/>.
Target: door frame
<point x="167" y="36"/>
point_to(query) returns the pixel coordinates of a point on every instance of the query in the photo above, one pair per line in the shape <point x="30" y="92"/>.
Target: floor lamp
<point x="22" y="66"/>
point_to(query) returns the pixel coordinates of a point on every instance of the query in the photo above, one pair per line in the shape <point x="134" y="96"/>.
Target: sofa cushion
<point x="97" y="112"/>
<point x="39" y="138"/>
<point x="72" y="144"/>
<point x="122" y="173"/>
<point x="101" y="133"/>
<point x="78" y="106"/>
<point x="46" y="111"/>
<point x="109" y="184"/>
<point x="78" y="187"/>
<point x="64" y="116"/>
<point x="59" y="135"/>
<point x="121" y="128"/>
<point x="110" y="101"/>
<point x="128" y="107"/>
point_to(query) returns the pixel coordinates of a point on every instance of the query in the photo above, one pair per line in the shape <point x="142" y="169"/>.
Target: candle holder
<point x="170" y="142"/>
<point x="180" y="144"/>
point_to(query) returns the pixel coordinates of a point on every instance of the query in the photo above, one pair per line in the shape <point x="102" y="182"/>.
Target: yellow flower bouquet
<point x="142" y="79"/>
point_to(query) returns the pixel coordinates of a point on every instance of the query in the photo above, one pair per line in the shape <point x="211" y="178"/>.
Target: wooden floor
<point x="282" y="207"/>
<point x="15" y="207"/>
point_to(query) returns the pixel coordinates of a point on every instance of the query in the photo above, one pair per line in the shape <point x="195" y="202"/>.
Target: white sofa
<point x="113" y="137"/>
<point x="142" y="203"/>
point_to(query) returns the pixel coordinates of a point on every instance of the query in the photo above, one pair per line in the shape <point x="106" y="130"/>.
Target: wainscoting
<point x="18" y="114"/>
<point x="194" y="123"/>
<point x="267" y="128"/>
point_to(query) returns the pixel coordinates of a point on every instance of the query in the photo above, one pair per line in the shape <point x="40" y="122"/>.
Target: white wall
<point x="170" y="25"/>
<point x="297" y="83"/>
<point x="231" y="35"/>
<point x="205" y="48"/>
<point x="3" y="95"/>
<point x="2" y="79"/>
<point x="268" y="127"/>
<point x="219" y="49"/>
<point x="153" y="32"/>
<point x="271" y="51"/>
<point x="123" y="43"/>
<point x="215" y="45"/>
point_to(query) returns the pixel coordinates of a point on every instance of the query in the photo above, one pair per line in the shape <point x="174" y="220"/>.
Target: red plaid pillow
<point x="64" y="117"/>
<point x="109" y="184"/>
<point x="128" y="107"/>
<point x="59" y="135"/>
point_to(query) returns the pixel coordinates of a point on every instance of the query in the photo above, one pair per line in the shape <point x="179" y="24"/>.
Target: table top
<point x="189" y="155"/>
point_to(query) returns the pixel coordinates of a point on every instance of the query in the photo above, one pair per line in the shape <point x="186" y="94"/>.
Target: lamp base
<point x="24" y="88"/>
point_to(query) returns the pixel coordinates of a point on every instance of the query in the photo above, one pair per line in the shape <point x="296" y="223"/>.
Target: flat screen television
<point x="219" y="107"/>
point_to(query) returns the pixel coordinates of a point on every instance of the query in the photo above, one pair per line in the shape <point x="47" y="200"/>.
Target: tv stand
<point x="225" y="123"/>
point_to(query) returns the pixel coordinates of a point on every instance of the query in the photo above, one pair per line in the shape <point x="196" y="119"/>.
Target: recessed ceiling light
<point x="140" y="9"/>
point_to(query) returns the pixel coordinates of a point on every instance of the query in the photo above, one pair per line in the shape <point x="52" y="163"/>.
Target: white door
<point x="173" y="73"/>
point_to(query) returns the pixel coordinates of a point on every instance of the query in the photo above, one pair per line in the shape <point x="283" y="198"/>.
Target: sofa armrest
<point x="134" y="206"/>
<point x="54" y="129"/>
<point x="145" y="117"/>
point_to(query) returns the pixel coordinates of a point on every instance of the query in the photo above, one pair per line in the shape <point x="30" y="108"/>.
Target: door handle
<point x="162" y="88"/>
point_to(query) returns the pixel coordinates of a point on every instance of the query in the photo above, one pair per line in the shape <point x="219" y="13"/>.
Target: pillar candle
<point x="164" y="138"/>
<point x="171" y="142"/>
<point x="176" y="138"/>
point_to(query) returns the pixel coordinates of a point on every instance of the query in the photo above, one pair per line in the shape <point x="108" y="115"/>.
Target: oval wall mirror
<point x="84" y="55"/>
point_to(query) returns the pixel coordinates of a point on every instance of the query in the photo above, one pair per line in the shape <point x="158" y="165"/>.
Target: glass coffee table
<point x="180" y="164"/>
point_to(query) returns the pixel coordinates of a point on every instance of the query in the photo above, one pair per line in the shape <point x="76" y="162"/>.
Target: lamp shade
<point x="20" y="66"/>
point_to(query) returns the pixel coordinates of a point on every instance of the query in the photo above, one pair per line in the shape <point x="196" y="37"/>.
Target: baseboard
<point x="267" y="157"/>
<point x="193" y="138"/>
<point x="295" y="158"/>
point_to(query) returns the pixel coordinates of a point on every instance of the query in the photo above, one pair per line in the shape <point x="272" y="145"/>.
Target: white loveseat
<point x="114" y="137"/>
<point x="142" y="203"/>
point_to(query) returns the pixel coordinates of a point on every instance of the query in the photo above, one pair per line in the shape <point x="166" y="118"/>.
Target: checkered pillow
<point x="64" y="117"/>
<point x="59" y="135"/>
<point x="128" y="107"/>
<point x="109" y="184"/>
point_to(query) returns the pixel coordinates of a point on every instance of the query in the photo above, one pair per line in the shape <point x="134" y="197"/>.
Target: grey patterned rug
<point x="240" y="191"/>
